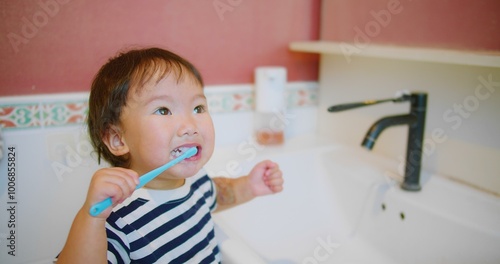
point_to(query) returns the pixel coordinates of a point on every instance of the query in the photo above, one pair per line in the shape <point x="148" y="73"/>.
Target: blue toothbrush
<point x="97" y="208"/>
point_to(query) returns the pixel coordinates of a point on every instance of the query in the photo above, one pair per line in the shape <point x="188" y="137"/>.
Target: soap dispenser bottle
<point x="270" y="105"/>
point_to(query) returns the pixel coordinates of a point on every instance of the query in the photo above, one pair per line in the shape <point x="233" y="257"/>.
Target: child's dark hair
<point x="112" y="83"/>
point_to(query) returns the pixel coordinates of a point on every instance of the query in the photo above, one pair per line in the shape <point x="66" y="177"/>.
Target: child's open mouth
<point x="180" y="150"/>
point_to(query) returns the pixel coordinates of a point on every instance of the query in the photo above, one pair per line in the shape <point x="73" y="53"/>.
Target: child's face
<point x="162" y="118"/>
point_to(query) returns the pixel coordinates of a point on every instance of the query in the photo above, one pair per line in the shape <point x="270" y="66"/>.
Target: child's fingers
<point x="274" y="179"/>
<point x="124" y="177"/>
<point x="117" y="183"/>
<point x="276" y="189"/>
<point x="273" y="172"/>
<point x="130" y="174"/>
<point x="272" y="168"/>
<point x="125" y="181"/>
<point x="120" y="187"/>
<point x="275" y="185"/>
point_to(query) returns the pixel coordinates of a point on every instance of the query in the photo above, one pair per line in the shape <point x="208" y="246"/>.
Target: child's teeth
<point x="178" y="151"/>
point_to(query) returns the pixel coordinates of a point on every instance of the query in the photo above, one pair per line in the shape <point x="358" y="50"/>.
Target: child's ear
<point x="115" y="142"/>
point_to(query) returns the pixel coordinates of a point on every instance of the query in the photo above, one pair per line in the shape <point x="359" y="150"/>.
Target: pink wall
<point x="52" y="46"/>
<point x="456" y="24"/>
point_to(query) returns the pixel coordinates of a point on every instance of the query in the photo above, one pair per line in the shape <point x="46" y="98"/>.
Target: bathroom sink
<point x="446" y="222"/>
<point x="344" y="205"/>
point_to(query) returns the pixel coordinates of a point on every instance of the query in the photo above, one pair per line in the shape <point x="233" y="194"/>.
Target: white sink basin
<point x="344" y="205"/>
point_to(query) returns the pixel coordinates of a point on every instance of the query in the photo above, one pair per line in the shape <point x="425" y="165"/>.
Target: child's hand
<point x="266" y="178"/>
<point x="117" y="183"/>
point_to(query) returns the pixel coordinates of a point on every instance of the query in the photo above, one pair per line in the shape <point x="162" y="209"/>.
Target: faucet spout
<point x="416" y="123"/>
<point x="382" y="124"/>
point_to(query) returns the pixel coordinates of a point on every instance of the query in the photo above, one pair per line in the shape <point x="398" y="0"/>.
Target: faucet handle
<point x="402" y="96"/>
<point x="341" y="107"/>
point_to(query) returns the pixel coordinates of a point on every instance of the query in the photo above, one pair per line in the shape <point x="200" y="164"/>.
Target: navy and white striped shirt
<point x="173" y="226"/>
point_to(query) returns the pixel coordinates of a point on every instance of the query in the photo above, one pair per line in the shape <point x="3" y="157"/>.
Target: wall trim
<point x="54" y="110"/>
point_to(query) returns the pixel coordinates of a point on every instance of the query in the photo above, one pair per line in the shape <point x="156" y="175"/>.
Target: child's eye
<point x="163" y="111"/>
<point x="199" y="109"/>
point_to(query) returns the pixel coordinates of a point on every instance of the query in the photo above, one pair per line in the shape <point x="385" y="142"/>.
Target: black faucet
<point x="416" y="122"/>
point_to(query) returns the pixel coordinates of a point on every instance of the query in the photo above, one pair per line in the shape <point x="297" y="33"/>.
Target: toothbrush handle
<point x="97" y="208"/>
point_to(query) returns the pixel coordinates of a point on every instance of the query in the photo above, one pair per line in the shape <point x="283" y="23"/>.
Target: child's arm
<point x="265" y="178"/>
<point x="87" y="241"/>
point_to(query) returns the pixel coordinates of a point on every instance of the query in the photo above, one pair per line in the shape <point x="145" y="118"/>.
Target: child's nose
<point x="187" y="126"/>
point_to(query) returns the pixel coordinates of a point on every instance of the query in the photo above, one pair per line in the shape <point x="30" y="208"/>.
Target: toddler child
<point x="146" y="107"/>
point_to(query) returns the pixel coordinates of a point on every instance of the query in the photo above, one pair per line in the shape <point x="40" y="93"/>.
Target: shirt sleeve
<point x="213" y="198"/>
<point x="207" y="185"/>
<point x="118" y="247"/>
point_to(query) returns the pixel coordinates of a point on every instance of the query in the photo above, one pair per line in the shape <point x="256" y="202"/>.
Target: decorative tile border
<point x="234" y="98"/>
<point x="20" y="116"/>
<point x="223" y="100"/>
<point x="46" y="111"/>
<point x="42" y="114"/>
<point x="62" y="113"/>
<point x="302" y="94"/>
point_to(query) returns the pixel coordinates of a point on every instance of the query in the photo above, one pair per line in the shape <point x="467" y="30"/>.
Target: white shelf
<point x="475" y="58"/>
